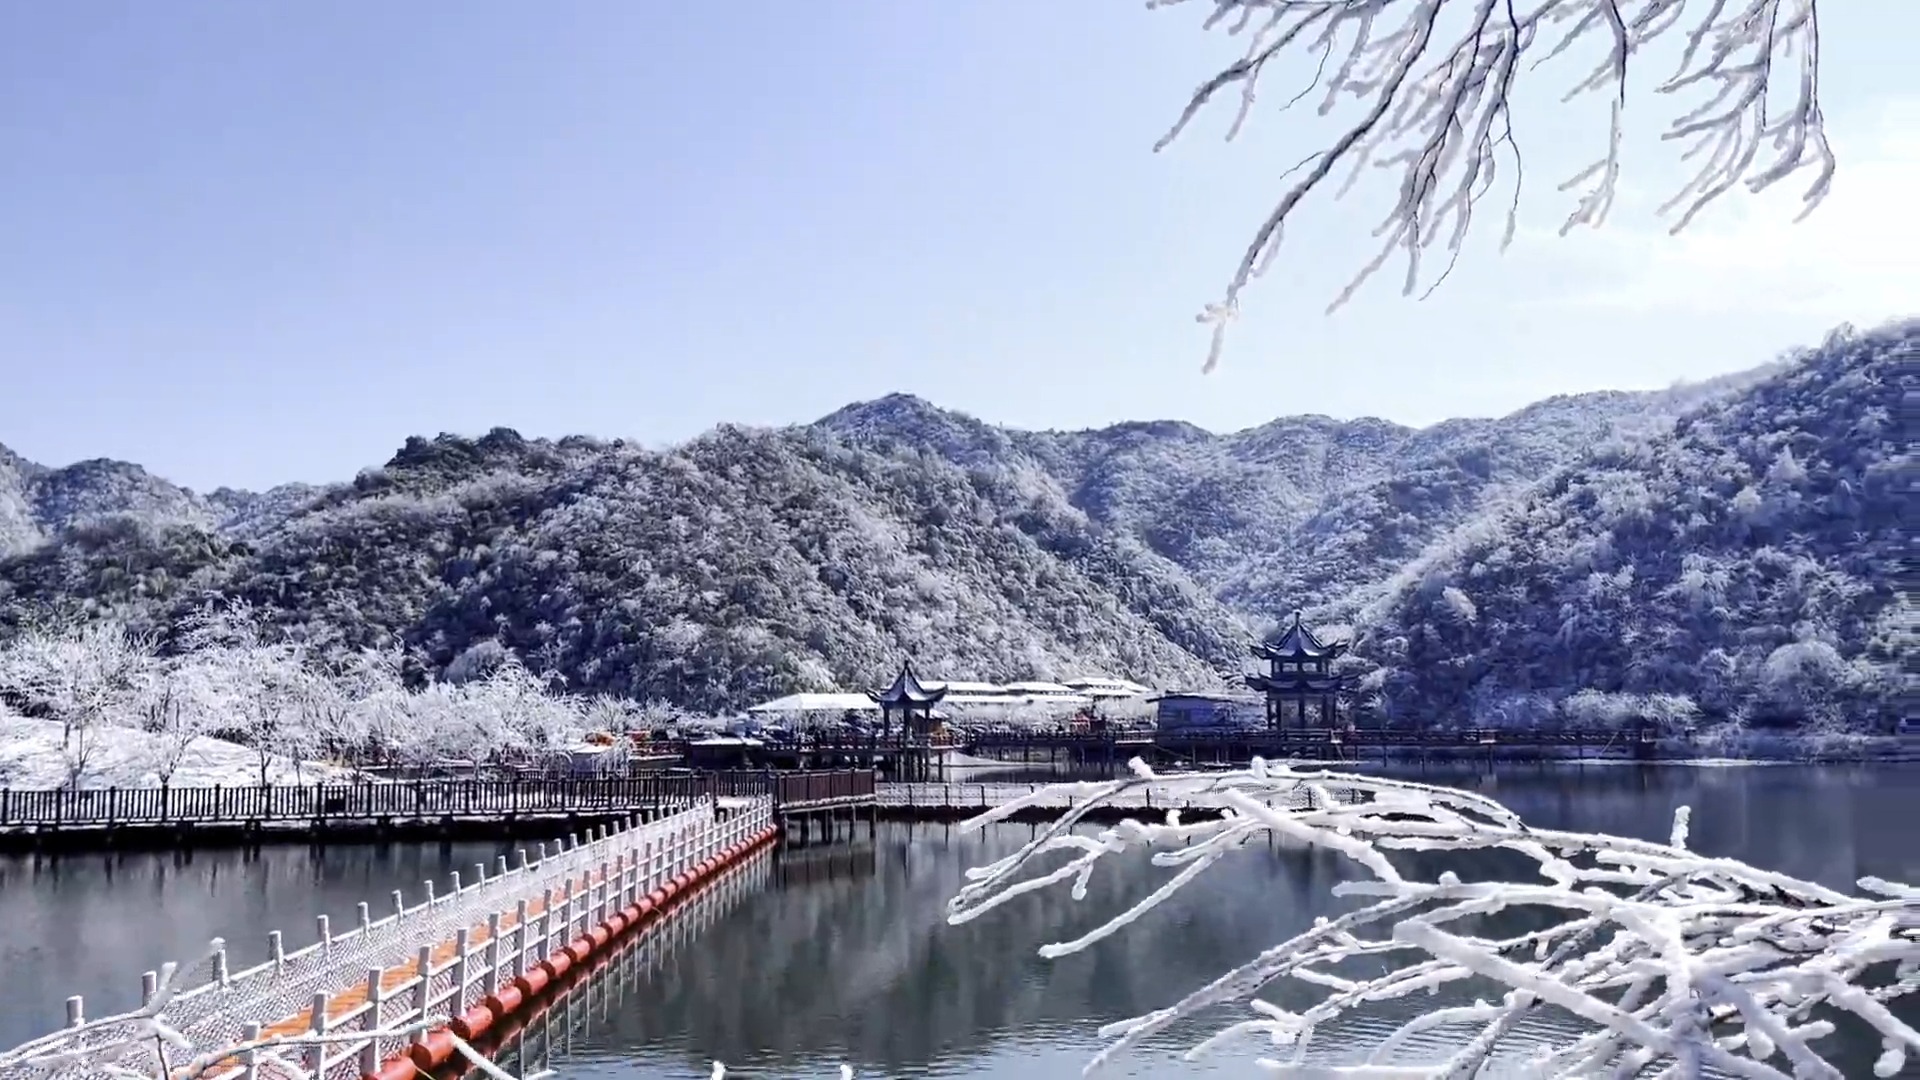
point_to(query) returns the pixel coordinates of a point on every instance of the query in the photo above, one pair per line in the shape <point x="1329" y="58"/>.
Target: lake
<point x="841" y="953"/>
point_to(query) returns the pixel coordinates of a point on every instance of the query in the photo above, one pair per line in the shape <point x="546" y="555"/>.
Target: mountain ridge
<point x="749" y="562"/>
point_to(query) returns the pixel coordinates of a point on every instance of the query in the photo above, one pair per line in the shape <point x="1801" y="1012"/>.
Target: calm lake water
<point x="815" y="957"/>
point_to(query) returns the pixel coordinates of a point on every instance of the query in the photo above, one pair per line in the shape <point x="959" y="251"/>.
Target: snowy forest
<point x="97" y="704"/>
<point x="1714" y="556"/>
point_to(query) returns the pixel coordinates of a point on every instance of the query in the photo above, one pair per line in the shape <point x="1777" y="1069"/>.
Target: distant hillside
<point x="743" y="565"/>
<point x="1298" y="512"/>
<point x="1492" y="568"/>
<point x="39" y="504"/>
<point x="1753" y="563"/>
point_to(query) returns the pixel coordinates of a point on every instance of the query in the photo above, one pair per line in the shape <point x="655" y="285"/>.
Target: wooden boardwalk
<point x="474" y="955"/>
<point x="928" y="759"/>
<point x="118" y="817"/>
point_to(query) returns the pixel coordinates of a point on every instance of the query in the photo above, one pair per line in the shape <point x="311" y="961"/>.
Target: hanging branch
<point x="1663" y="956"/>
<point x="1438" y="114"/>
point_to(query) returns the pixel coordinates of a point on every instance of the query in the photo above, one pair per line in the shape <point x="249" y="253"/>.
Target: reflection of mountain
<point x="1832" y="824"/>
<point x="867" y="955"/>
<point x="846" y="952"/>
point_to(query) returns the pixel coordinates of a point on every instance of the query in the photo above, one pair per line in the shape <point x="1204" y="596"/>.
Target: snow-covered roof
<point x="994" y="698"/>
<point x="1102" y="686"/>
<point x="1296" y="641"/>
<point x="1037" y="688"/>
<point x="812" y="703"/>
<point x="727" y="740"/>
<point x="1016" y="701"/>
<point x="972" y="688"/>
<point x="1207" y="695"/>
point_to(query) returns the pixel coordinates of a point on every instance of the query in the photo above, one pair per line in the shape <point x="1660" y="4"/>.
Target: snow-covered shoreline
<point x="31" y="759"/>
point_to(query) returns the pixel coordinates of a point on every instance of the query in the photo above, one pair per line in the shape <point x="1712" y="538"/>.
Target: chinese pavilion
<point x="1299" y="671"/>
<point x="911" y="700"/>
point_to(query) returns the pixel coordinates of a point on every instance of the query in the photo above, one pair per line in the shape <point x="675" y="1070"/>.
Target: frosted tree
<point x="259" y="681"/>
<point x="372" y="682"/>
<point x="1656" y="960"/>
<point x="1431" y="98"/>
<point x="83" y="676"/>
<point x="178" y="703"/>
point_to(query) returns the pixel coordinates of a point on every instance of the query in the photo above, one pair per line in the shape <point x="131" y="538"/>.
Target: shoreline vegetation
<point x="32" y="759"/>
<point x="233" y="701"/>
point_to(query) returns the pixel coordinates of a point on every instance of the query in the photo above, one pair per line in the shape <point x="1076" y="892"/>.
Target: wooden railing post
<point x="370" y="1050"/>
<point x="317" y="1051"/>
<point x="461" y="970"/>
<point x="250" y="1059"/>
<point x="423" y="989"/>
<point x="493" y="954"/>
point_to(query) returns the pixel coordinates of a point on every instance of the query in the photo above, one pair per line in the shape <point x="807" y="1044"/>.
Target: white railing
<point x="983" y="797"/>
<point x="360" y="996"/>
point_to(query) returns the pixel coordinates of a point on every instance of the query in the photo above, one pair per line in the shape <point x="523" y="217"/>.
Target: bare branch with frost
<point x="1667" y="959"/>
<point x="1435" y="110"/>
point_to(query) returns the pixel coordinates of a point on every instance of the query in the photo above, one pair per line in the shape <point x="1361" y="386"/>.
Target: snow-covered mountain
<point x="749" y="563"/>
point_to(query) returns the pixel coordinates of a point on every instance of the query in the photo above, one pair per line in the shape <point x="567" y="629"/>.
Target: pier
<point x="928" y="758"/>
<point x="393" y="996"/>
<point x="121" y="818"/>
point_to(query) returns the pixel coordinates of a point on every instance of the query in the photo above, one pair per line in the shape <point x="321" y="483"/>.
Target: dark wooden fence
<point x="801" y="789"/>
<point x="417" y="799"/>
<point x="1393" y="737"/>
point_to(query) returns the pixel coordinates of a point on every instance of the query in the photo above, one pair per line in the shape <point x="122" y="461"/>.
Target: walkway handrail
<point x="802" y="788"/>
<point x="401" y="799"/>
<point x="438" y="958"/>
<point x="983" y="797"/>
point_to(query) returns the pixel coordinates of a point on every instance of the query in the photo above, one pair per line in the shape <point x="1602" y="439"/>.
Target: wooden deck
<point x="170" y="817"/>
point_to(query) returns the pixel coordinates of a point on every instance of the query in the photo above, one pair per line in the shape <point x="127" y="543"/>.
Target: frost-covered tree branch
<point x="1433" y="107"/>
<point x="1664" y="961"/>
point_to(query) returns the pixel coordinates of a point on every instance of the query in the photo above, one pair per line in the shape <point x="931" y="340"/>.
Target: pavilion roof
<point x="1296" y="641"/>
<point x="908" y="690"/>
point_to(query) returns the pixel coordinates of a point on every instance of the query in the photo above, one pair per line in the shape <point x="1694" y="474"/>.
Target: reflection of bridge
<point x="930" y="759"/>
<point x="952" y="802"/>
<point x="1227" y="746"/>
<point x="533" y="1040"/>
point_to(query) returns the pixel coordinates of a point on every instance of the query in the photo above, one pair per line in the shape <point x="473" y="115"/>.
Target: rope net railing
<point x="353" y="999"/>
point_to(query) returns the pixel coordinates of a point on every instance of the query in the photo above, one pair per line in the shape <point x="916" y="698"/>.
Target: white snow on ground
<point x="31" y="758"/>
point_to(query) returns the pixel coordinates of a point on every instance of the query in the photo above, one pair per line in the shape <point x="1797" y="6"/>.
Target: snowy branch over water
<point x="1434" y="106"/>
<point x="1659" y="960"/>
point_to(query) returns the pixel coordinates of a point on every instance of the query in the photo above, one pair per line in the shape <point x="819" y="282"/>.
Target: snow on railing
<point x="933" y="796"/>
<point x="416" y="799"/>
<point x="1670" y="962"/>
<point x="352" y="1000"/>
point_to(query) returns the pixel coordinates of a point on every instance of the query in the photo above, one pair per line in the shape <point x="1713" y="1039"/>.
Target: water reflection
<point x="847" y="957"/>
<point x="90" y="924"/>
<point x="841" y="953"/>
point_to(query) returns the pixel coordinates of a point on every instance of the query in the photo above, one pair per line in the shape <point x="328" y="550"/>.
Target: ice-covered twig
<point x="105" y="1042"/>
<point x="1435" y="107"/>
<point x="1661" y="956"/>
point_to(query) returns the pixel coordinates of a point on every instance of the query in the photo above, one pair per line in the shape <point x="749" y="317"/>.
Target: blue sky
<point x="247" y="243"/>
